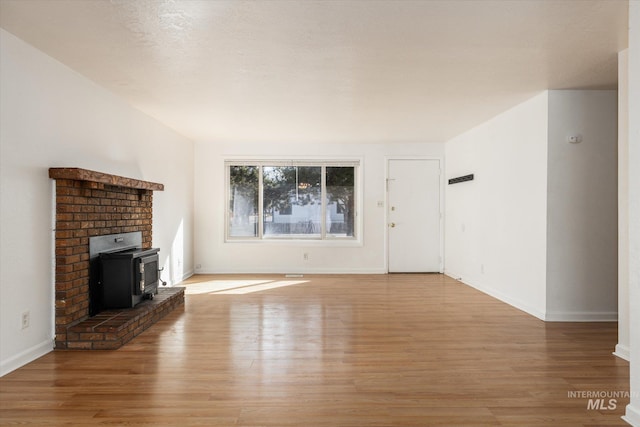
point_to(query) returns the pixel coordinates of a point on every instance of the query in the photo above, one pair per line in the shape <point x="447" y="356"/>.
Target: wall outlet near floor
<point x="25" y="319"/>
<point x="198" y="266"/>
<point x="305" y="256"/>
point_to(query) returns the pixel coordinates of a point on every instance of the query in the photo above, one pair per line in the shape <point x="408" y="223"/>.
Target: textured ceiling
<point x="327" y="71"/>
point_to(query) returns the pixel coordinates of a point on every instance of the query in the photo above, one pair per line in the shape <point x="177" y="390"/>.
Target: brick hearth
<point x="90" y="203"/>
<point x="111" y="329"/>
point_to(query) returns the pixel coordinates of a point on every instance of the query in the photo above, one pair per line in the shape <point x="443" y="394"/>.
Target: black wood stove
<point x="122" y="273"/>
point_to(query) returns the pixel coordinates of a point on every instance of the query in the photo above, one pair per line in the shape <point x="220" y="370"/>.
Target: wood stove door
<point x="147" y="275"/>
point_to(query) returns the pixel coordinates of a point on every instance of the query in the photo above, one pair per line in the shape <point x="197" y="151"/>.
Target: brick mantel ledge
<point x="78" y="174"/>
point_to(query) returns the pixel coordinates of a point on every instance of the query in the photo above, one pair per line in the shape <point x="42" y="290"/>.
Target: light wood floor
<point x="397" y="350"/>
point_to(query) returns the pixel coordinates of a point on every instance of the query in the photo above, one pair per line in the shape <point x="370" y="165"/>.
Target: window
<point x="291" y="200"/>
<point x="243" y="200"/>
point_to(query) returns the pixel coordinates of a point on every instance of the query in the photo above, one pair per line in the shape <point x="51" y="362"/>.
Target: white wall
<point x="622" y="348"/>
<point x="633" y="409"/>
<point x="216" y="256"/>
<point x="496" y="225"/>
<point x="582" y="221"/>
<point x="537" y="228"/>
<point x="53" y="117"/>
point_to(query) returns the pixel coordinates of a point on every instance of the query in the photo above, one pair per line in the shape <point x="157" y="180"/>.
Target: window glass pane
<point x="340" y="213"/>
<point x="292" y="200"/>
<point x="243" y="201"/>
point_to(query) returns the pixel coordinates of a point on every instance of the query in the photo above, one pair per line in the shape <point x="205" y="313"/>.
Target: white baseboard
<point x="581" y="316"/>
<point x="185" y="276"/>
<point x="622" y="351"/>
<point x="632" y="416"/>
<point x="293" y="271"/>
<point x="520" y="305"/>
<point x="576" y="316"/>
<point x="27" y="356"/>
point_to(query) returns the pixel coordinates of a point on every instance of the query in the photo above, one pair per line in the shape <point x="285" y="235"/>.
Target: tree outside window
<point x="298" y="201"/>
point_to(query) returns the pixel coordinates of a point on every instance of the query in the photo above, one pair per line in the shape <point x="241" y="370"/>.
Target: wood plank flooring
<point x="361" y="350"/>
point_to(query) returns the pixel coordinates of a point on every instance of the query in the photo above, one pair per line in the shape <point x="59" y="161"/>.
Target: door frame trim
<point x="441" y="199"/>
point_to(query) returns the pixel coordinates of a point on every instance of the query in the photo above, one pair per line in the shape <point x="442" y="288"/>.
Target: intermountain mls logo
<point x="600" y="400"/>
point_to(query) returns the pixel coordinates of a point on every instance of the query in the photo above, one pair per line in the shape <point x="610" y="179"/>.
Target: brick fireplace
<point x="88" y="204"/>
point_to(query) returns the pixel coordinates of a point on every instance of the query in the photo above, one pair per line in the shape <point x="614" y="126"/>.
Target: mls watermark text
<point x="601" y="400"/>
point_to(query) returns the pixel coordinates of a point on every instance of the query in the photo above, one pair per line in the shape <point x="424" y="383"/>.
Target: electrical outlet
<point x="305" y="256"/>
<point x="198" y="266"/>
<point x="25" y="319"/>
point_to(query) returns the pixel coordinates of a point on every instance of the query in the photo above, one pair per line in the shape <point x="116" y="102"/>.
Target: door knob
<point x="392" y="225"/>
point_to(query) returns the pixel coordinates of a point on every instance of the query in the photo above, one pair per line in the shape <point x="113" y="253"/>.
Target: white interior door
<point x="413" y="203"/>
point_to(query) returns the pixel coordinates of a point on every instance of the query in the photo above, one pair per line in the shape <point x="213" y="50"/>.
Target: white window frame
<point x="324" y="238"/>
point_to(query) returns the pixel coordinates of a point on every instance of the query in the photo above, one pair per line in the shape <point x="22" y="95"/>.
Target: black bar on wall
<point x="461" y="179"/>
